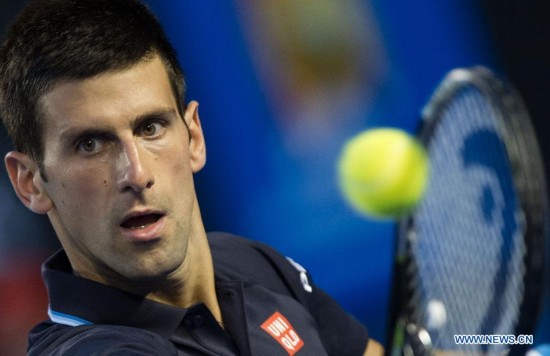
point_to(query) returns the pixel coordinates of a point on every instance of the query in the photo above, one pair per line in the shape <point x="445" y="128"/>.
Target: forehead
<point x="110" y="97"/>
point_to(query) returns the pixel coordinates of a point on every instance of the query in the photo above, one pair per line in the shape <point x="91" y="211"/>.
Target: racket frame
<point x="528" y="175"/>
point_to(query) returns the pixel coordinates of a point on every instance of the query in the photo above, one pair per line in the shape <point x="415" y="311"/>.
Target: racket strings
<point x="469" y="259"/>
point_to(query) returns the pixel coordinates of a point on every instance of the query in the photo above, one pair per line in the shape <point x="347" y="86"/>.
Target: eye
<point x="89" y="145"/>
<point x="152" y="129"/>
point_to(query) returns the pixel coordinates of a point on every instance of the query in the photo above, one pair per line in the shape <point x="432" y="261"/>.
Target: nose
<point x="134" y="172"/>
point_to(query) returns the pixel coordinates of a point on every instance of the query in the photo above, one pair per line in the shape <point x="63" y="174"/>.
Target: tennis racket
<point x="470" y="257"/>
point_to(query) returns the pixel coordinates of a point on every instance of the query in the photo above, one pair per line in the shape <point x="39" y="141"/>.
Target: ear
<point x="27" y="182"/>
<point x="197" y="148"/>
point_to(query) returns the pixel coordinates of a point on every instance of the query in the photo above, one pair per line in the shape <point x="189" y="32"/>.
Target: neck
<point x="193" y="282"/>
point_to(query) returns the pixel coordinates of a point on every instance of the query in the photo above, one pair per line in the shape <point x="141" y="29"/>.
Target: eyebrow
<point x="76" y="133"/>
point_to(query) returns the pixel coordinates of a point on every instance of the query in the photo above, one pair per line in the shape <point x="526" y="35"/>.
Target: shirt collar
<point x="79" y="301"/>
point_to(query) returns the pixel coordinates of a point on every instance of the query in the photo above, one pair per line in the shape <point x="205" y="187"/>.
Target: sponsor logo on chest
<point x="281" y="330"/>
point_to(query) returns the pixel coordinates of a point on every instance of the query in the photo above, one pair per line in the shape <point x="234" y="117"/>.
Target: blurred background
<point x="281" y="85"/>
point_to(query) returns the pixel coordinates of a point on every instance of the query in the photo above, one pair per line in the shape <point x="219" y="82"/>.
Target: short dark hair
<point x="54" y="40"/>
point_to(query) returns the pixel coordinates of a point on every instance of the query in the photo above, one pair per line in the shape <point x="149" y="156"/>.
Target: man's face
<point x="119" y="164"/>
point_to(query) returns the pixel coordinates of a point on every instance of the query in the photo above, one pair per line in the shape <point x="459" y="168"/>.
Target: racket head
<point x="471" y="255"/>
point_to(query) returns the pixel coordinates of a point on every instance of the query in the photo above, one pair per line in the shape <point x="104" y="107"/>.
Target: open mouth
<point x="141" y="221"/>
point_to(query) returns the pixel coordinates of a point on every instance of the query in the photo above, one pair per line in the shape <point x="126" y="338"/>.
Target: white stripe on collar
<point x="66" y="319"/>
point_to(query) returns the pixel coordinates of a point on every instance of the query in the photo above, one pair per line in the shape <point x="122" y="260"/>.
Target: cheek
<point x="181" y="169"/>
<point x="174" y="176"/>
<point x="80" y="188"/>
<point x="175" y="159"/>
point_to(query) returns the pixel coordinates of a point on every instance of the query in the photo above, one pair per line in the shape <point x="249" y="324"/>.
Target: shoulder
<point x="239" y="250"/>
<point x="237" y="258"/>
<point x="232" y="243"/>
<point x="49" y="338"/>
<point x="254" y="262"/>
<point x="231" y="252"/>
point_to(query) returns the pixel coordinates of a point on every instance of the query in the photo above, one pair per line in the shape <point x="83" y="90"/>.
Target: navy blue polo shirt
<point x="268" y="303"/>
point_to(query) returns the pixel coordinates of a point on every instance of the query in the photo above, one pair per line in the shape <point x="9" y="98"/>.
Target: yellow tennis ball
<point x="383" y="172"/>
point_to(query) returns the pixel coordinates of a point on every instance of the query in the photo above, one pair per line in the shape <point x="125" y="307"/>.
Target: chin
<point x="152" y="272"/>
